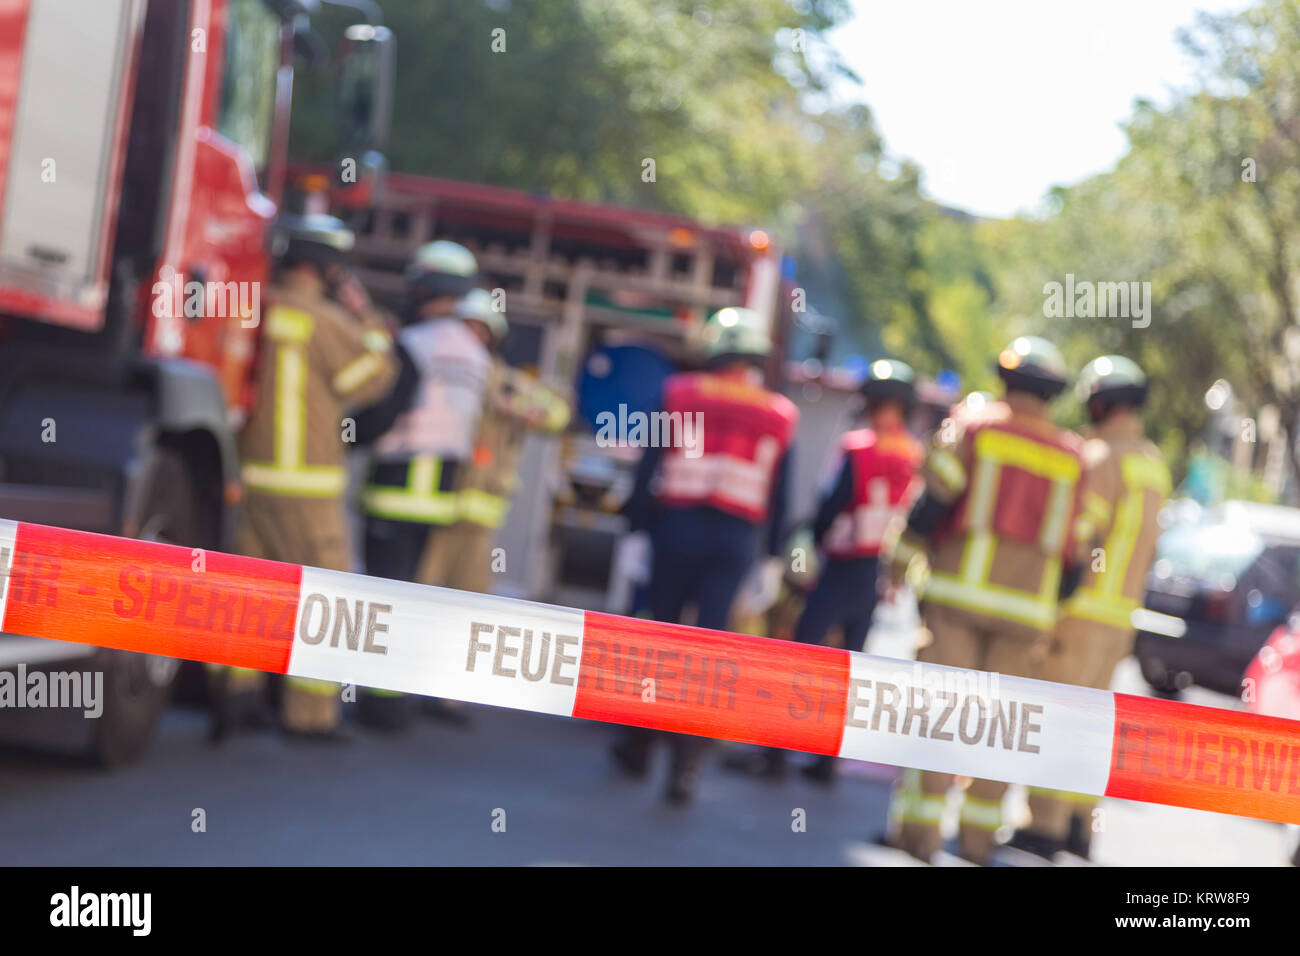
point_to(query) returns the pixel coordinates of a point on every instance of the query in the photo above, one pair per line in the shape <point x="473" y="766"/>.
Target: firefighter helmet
<point x="479" y="306"/>
<point x="735" y="332"/>
<point x="1113" y="380"/>
<point x="438" y="270"/>
<point x="1034" y="365"/>
<point x="323" y="240"/>
<point x="890" y="380"/>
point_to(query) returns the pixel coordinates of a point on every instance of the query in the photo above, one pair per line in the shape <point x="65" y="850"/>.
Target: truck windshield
<point x="248" y="86"/>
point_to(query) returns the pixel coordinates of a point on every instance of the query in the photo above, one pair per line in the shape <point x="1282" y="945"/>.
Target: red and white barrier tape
<point x="350" y="628"/>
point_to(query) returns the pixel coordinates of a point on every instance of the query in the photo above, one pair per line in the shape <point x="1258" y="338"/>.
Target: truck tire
<point x="137" y="686"/>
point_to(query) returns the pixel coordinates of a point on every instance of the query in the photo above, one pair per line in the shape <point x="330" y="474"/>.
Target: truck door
<point x="61" y="153"/>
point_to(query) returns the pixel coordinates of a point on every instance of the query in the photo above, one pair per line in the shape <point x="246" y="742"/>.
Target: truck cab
<point x="143" y="153"/>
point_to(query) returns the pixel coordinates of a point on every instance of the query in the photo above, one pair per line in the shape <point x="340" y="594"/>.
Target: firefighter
<point x="411" y="490"/>
<point x="705" y="499"/>
<point x="461" y="556"/>
<point x="1126" y="482"/>
<point x="873" y="481"/>
<point x="319" y="360"/>
<point x="1002" y="487"/>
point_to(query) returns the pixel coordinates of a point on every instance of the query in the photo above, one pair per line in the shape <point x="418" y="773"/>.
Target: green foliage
<point x="727" y="99"/>
<point x="1222" y="252"/>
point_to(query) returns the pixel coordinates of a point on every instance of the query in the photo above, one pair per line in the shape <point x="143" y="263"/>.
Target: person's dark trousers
<point x="394" y="548"/>
<point x="845" y="594"/>
<point x="701" y="556"/>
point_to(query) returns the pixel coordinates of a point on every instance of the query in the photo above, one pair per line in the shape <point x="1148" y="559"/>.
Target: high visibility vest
<point x="453" y="366"/>
<point x="738" y="433"/>
<point x="883" y="467"/>
<point x="1114" y="581"/>
<point x="422" y="499"/>
<point x="439" y="427"/>
<point x="316" y="363"/>
<point x="1022" y="485"/>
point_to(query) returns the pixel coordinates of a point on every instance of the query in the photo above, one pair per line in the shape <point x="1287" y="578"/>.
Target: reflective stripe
<point x="1064" y="796"/>
<point x="948" y="469"/>
<point x="325" y="481"/>
<point x="419" y="501"/>
<point x="727" y="478"/>
<point x="309" y="685"/>
<point x="287" y="474"/>
<point x="482" y="508"/>
<point x="1051" y="536"/>
<point x="1028" y="455"/>
<point x="904" y="550"/>
<point x="983" y="493"/>
<point x="423" y="473"/>
<point x="1145" y="472"/>
<point x="982" y="814"/>
<point x="357" y="372"/>
<point x="1104" y="600"/>
<point x="1096" y="507"/>
<point x="290" y="406"/>
<point x="1091" y="604"/>
<point x="912" y="805"/>
<point x="928" y="810"/>
<point x="976" y="557"/>
<point x="1039" y="612"/>
<point x="289" y="325"/>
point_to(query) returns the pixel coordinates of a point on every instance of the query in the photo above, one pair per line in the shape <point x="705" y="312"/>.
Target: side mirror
<point x="367" y="58"/>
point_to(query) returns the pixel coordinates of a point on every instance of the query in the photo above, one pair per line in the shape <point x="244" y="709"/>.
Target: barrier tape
<point x="207" y="606"/>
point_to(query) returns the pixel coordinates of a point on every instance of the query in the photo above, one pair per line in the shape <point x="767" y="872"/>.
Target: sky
<point x="999" y="100"/>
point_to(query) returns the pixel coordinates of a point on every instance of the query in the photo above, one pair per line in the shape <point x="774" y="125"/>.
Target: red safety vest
<point x="883" y="466"/>
<point x="744" y="430"/>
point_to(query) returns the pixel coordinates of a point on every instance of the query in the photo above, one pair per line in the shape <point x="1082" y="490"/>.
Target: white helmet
<point x="480" y="306"/>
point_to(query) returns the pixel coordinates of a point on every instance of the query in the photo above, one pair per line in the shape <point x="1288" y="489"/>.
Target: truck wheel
<point x="137" y="686"/>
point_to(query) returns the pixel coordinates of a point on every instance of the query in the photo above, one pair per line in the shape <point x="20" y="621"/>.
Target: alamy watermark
<point x="175" y="296"/>
<point x="1100" y="300"/>
<point x="75" y="690"/>
<point x="684" y="430"/>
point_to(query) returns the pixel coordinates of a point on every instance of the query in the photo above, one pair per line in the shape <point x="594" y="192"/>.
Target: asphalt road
<point x="515" y="788"/>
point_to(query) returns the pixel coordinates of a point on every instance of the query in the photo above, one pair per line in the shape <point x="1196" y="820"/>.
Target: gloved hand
<point x="761" y="588"/>
<point x="630" y="567"/>
<point x="632" y="557"/>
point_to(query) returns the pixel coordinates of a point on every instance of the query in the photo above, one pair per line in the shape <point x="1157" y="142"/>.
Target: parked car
<point x="1221" y="582"/>
<point x="1272" y="681"/>
<point x="1273" y="677"/>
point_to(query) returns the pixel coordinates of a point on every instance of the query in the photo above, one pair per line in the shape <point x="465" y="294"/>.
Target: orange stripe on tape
<point x="1205" y="758"/>
<point x="711" y="683"/>
<point x="153" y="598"/>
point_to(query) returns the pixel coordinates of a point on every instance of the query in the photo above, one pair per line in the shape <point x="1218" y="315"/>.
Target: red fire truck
<point x="143" y="154"/>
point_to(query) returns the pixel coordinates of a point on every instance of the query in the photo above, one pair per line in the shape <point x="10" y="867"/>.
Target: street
<point x="516" y="789"/>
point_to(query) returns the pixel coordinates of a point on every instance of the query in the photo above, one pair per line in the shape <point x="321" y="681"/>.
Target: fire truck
<point x="604" y="300"/>
<point x="143" y="156"/>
